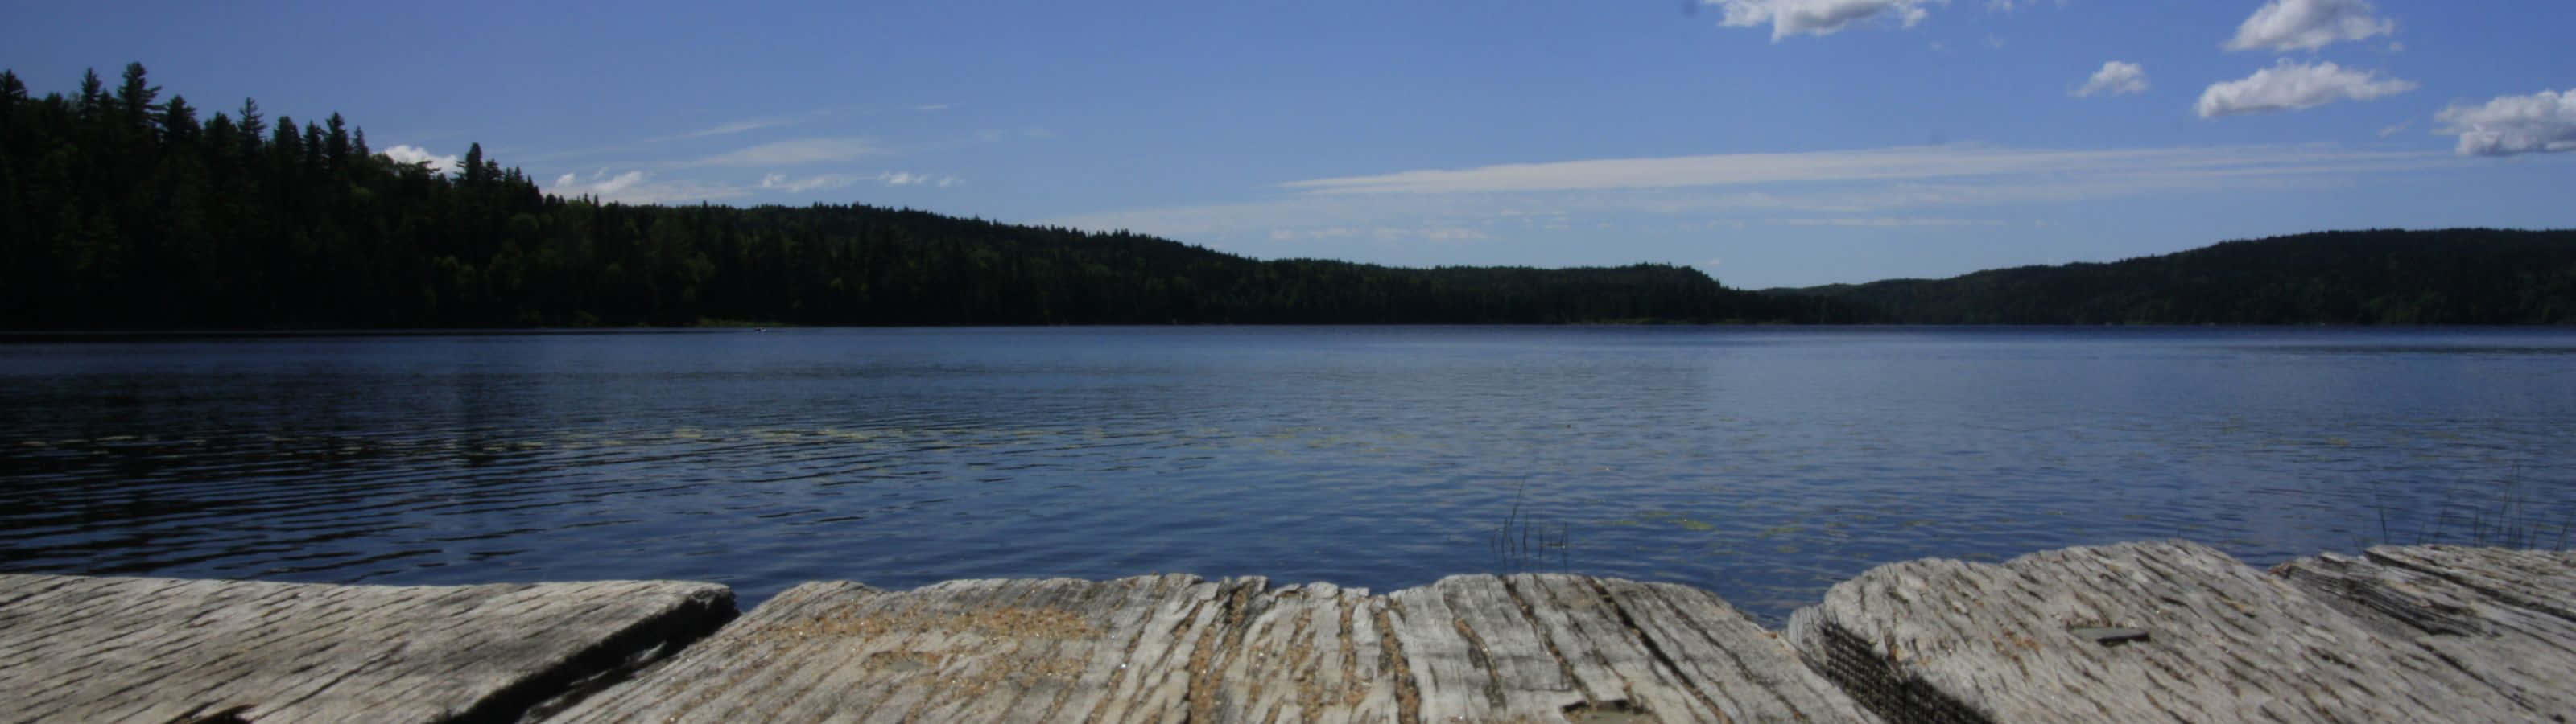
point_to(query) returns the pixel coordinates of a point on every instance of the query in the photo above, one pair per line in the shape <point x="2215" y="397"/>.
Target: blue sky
<point x="1771" y="142"/>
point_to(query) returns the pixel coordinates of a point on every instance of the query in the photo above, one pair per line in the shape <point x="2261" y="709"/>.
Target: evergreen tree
<point x="134" y="98"/>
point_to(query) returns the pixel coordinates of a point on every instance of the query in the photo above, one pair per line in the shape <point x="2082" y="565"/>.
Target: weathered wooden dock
<point x="75" y="648"/>
<point x="2165" y="630"/>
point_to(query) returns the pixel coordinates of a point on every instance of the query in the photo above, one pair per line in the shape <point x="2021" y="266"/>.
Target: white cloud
<point x="416" y="154"/>
<point x="2006" y="6"/>
<point x="2395" y="129"/>
<point x="907" y="178"/>
<point x="2289" y="86"/>
<point x="2308" y="25"/>
<point x="2115" y="78"/>
<point x="1818" y="17"/>
<point x="795" y="152"/>
<point x="598" y="184"/>
<point x="638" y="187"/>
<point x="2543" y="122"/>
<point x="782" y="182"/>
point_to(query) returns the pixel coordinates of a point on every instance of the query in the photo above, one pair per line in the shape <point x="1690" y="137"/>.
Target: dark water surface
<point x="1764" y="464"/>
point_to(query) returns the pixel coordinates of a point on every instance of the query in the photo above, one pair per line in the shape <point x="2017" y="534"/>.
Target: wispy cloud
<point x="1855" y="187"/>
<point x="907" y="178"/>
<point x="1883" y="222"/>
<point x="1451" y="234"/>
<point x="1883" y="164"/>
<point x="747" y="125"/>
<point x="2289" y="86"/>
<point x="992" y="135"/>
<point x="2006" y="6"/>
<point x="2543" y="122"/>
<point x="2115" y="78"/>
<point x="1818" y="17"/>
<point x="783" y="183"/>
<point x="639" y="187"/>
<point x="2308" y="25"/>
<point x="795" y="152"/>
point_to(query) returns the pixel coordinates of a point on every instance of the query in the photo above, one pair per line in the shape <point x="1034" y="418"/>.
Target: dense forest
<point x="2453" y="276"/>
<point x="122" y="210"/>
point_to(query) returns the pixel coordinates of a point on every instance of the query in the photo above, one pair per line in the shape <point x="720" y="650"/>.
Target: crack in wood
<point x="1408" y="692"/>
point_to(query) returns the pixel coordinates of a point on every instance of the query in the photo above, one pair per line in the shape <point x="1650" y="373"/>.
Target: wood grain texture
<point x="2159" y="631"/>
<point x="1945" y="641"/>
<point x="2467" y="606"/>
<point x="75" y="648"/>
<point x="1480" y="648"/>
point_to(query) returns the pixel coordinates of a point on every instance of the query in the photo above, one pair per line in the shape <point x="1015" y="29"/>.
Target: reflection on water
<point x="1762" y="464"/>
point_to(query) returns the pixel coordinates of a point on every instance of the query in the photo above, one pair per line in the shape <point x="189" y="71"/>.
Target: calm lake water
<point x="1761" y="463"/>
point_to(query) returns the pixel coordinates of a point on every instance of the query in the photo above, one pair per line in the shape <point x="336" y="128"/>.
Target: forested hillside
<point x="2452" y="276"/>
<point x="121" y="209"/>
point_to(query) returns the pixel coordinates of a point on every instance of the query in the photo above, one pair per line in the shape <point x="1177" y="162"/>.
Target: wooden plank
<point x="2167" y="630"/>
<point x="2538" y="580"/>
<point x="1443" y="630"/>
<point x="1724" y="659"/>
<point x="1176" y="648"/>
<point x="2526" y="652"/>
<point x="1943" y="640"/>
<point x="1306" y="652"/>
<point x="1558" y="647"/>
<point x="76" y="648"/>
<point x="985" y="650"/>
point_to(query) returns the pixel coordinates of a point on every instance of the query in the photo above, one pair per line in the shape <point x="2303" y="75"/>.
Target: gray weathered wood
<point x="1946" y="641"/>
<point x="1745" y="672"/>
<point x="2453" y="609"/>
<point x="76" y="648"/>
<point x="2538" y="580"/>
<point x="983" y="650"/>
<point x="1175" y="648"/>
<point x="2144" y="631"/>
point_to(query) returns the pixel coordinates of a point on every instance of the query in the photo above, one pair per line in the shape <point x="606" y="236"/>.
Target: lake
<point x="1764" y="464"/>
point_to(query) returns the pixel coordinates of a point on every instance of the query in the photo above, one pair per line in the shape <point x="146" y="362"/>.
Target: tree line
<point x="2382" y="277"/>
<point x="120" y="209"/>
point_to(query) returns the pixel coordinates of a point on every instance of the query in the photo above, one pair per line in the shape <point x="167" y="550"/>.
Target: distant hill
<point x="2450" y="276"/>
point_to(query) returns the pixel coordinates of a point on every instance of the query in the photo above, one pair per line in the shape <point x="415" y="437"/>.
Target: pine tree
<point x="472" y="174"/>
<point x="179" y="122"/>
<point x="336" y="143"/>
<point x="134" y="99"/>
<point x="252" y="128"/>
<point x="93" y="95"/>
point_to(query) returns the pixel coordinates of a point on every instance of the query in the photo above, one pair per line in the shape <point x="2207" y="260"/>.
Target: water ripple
<point x="1762" y="464"/>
